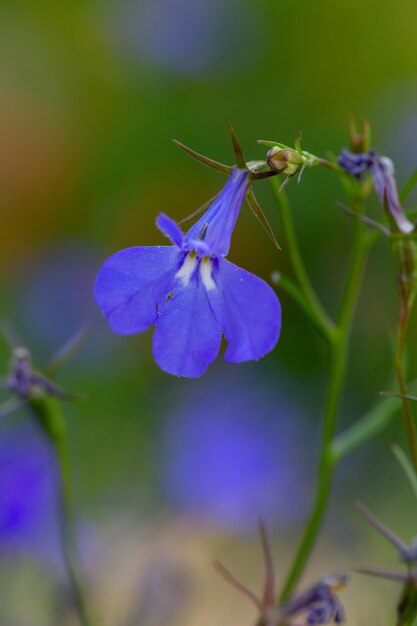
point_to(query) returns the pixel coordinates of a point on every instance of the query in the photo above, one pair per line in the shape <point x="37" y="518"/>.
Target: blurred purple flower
<point x="353" y="163"/>
<point x="191" y="293"/>
<point x="239" y="456"/>
<point x="56" y="301"/>
<point x="28" y="486"/>
<point x="186" y="36"/>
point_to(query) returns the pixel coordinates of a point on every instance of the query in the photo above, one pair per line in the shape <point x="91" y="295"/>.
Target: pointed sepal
<point x="398" y="543"/>
<point x="260" y="215"/>
<point x="229" y="578"/>
<point x="297" y="143"/>
<point x="237" y="149"/>
<point x="200" y="210"/>
<point x="64" y="354"/>
<point x="211" y="163"/>
<point x="269" y="580"/>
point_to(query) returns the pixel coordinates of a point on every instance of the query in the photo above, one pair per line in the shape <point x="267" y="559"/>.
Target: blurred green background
<point x="91" y="94"/>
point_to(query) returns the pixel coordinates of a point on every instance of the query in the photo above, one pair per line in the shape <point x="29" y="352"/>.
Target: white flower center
<point x="187" y="269"/>
<point x="206" y="269"/>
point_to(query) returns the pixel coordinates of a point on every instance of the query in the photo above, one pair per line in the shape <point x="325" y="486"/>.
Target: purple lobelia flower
<point x="191" y="292"/>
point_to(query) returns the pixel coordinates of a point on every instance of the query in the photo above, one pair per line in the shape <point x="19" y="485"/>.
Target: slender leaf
<point x="412" y="181"/>
<point x="370" y="425"/>
<point x="66" y="351"/>
<point x="407" y="467"/>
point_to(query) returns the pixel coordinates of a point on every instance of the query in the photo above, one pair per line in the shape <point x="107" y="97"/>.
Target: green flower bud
<point x="285" y="161"/>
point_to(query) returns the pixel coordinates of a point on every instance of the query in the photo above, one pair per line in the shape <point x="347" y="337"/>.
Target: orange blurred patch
<point x="37" y="167"/>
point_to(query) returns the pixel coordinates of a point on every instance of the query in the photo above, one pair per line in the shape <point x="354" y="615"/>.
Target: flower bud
<point x="360" y="140"/>
<point x="285" y="161"/>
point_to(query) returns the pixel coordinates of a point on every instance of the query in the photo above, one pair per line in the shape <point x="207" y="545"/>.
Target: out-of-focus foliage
<point x="91" y="94"/>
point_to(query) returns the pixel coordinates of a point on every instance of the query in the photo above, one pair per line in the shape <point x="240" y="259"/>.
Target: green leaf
<point x="412" y="181"/>
<point x="407" y="466"/>
<point x="370" y="425"/>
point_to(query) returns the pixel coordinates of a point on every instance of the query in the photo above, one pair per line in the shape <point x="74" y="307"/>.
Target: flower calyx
<point x="26" y="384"/>
<point x="407" y="604"/>
<point x="257" y="169"/>
<point x="317" y="605"/>
<point x="288" y="161"/>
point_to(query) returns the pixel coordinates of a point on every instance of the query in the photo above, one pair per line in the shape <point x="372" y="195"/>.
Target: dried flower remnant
<point x="382" y="172"/>
<point x="30" y="387"/>
<point x="25" y="382"/>
<point x="317" y="605"/>
<point x="191" y="292"/>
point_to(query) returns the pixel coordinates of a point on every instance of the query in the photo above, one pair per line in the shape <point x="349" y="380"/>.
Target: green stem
<point x="338" y="358"/>
<point x="317" y="310"/>
<point x="399" y="369"/>
<point x="68" y="534"/>
<point x="49" y="414"/>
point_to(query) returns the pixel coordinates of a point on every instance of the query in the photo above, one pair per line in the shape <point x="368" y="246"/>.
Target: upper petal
<point x="133" y="283"/>
<point x="187" y="337"/>
<point x="217" y="224"/>
<point x="247" y="310"/>
<point x="170" y="229"/>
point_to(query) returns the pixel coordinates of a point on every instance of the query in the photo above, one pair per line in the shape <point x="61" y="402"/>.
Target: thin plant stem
<point x="339" y="340"/>
<point x="49" y="414"/>
<point x="399" y="370"/>
<point x="317" y="310"/>
<point x="66" y="513"/>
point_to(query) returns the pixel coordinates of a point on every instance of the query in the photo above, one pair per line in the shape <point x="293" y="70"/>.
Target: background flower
<point x="91" y="94"/>
<point x="231" y="454"/>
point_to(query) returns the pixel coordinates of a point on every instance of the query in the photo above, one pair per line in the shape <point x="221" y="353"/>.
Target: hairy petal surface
<point x="133" y="284"/>
<point x="187" y="337"/>
<point x="247" y="310"/>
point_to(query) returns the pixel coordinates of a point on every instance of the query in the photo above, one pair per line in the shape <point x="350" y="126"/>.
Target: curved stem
<point x="399" y="370"/>
<point x="338" y="358"/>
<point x="317" y="310"/>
